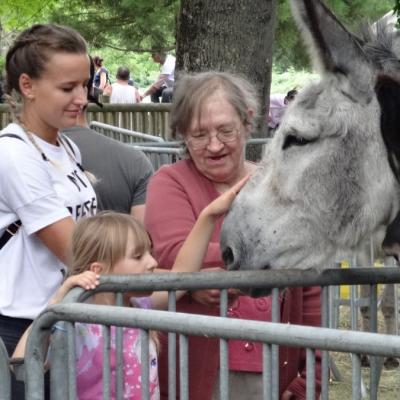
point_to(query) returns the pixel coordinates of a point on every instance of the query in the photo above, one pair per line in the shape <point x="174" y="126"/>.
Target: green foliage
<point x="284" y="81"/>
<point x="128" y="25"/>
<point x="122" y="31"/>
<point x="19" y="14"/>
<point x="396" y="10"/>
<point x="289" y="50"/>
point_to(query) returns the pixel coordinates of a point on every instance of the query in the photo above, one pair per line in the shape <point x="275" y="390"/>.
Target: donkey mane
<point x="379" y="43"/>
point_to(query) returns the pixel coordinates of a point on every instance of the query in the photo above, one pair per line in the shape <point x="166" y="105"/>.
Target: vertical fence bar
<point x="171" y="351"/>
<point x="224" y="351"/>
<point x="119" y="376"/>
<point x="374" y="372"/>
<point x="5" y="377"/>
<point x="310" y="368"/>
<point x="71" y="360"/>
<point x="356" y="376"/>
<point x="325" y="354"/>
<point x="276" y="317"/>
<point x="145" y="364"/>
<point x="184" y="368"/>
<point x="59" y="363"/>
<point x="267" y="372"/>
<point x="106" y="362"/>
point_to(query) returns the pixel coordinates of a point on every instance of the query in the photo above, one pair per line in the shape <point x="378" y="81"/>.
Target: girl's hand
<point x="86" y="280"/>
<point x="222" y="203"/>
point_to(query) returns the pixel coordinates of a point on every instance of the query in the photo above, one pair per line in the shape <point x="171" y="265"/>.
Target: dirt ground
<point x="389" y="387"/>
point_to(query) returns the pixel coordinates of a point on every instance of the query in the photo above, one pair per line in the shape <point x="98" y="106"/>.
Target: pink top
<point x="176" y="195"/>
<point x="276" y="109"/>
<point x="89" y="363"/>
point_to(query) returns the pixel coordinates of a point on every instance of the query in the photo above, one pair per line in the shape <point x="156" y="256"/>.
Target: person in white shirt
<point x="164" y="85"/>
<point x="121" y="92"/>
<point x="44" y="188"/>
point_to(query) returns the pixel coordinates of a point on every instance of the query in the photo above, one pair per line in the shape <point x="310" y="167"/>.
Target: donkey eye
<point x="292" y="140"/>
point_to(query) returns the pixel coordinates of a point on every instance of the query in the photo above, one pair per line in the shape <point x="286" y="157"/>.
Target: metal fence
<point x="144" y="117"/>
<point x="270" y="334"/>
<point x="124" y="135"/>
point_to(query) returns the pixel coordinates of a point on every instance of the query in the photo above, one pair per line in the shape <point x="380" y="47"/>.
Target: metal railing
<point x="271" y="334"/>
<point x="144" y="117"/>
<point x="160" y="156"/>
<point x="124" y="135"/>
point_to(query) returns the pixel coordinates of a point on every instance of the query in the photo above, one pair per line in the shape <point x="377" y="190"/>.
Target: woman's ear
<point x="249" y="124"/>
<point x="26" y="86"/>
<point x="96" y="267"/>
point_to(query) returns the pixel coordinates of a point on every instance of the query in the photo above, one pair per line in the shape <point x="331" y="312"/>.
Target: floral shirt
<point x="89" y="363"/>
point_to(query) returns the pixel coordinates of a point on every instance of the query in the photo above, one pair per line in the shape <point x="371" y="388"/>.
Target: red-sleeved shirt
<point x="175" y="197"/>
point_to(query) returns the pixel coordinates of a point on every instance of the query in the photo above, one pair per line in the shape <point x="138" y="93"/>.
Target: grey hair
<point x="193" y="90"/>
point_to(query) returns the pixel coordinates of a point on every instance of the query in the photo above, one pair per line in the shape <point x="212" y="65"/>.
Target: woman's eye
<point x="292" y="140"/>
<point x="67" y="89"/>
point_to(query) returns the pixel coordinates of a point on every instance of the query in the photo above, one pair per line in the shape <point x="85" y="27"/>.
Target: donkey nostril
<point x="228" y="257"/>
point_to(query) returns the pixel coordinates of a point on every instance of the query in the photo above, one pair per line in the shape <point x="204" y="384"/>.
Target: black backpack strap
<point x="67" y="140"/>
<point x="10" y="231"/>
<point x="13" y="228"/>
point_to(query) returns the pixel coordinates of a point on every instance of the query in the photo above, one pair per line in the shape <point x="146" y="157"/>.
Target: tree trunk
<point x="229" y="35"/>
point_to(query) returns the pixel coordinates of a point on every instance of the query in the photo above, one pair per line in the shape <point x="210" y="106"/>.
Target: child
<point x="112" y="243"/>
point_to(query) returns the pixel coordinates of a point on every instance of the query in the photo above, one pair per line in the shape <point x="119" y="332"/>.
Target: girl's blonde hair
<point x="104" y="238"/>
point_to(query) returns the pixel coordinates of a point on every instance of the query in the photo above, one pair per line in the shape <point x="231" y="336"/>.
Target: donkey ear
<point x="333" y="48"/>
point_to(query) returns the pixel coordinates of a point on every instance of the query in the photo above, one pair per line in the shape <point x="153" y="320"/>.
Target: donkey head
<point x="327" y="181"/>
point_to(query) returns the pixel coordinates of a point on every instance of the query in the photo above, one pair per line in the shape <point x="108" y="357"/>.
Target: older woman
<point x="213" y="113"/>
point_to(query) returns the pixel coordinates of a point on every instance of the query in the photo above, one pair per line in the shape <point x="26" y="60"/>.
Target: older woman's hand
<point x="211" y="297"/>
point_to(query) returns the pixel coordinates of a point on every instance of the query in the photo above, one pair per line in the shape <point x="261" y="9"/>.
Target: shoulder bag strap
<point x="13" y="228"/>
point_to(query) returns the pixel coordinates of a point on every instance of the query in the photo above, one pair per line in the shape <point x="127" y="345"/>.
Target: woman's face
<point x="220" y="162"/>
<point x="54" y="100"/>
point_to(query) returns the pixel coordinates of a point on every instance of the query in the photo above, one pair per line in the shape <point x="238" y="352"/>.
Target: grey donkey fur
<point x="327" y="181"/>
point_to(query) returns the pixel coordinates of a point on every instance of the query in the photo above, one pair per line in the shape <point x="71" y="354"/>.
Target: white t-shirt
<point x="39" y="194"/>
<point x="123" y="94"/>
<point x="168" y="68"/>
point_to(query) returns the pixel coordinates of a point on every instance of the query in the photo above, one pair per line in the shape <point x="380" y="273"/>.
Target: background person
<point x="213" y="113"/>
<point x="121" y="92"/>
<point x="277" y="106"/>
<point x="122" y="172"/>
<point x="43" y="186"/>
<point x="164" y="85"/>
<point x="101" y="77"/>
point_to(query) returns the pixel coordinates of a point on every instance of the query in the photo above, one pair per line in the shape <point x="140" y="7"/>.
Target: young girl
<point x="113" y="243"/>
<point x="43" y="187"/>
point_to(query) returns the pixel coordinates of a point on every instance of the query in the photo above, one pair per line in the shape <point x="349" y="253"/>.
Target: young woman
<point x="113" y="243"/>
<point x="43" y="186"/>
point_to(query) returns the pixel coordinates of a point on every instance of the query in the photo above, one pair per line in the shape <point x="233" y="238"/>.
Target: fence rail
<point x="144" y="117"/>
<point x="271" y="334"/>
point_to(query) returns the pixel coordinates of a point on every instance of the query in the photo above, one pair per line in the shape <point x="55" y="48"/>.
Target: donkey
<point x="328" y="180"/>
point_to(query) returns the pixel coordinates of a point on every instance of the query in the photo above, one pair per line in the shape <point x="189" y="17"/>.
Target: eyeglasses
<point x="200" y="140"/>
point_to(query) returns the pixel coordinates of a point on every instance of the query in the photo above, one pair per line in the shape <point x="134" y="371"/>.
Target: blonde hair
<point x="104" y="238"/>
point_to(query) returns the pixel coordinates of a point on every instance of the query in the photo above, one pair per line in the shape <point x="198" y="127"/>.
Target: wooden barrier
<point x="149" y="118"/>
